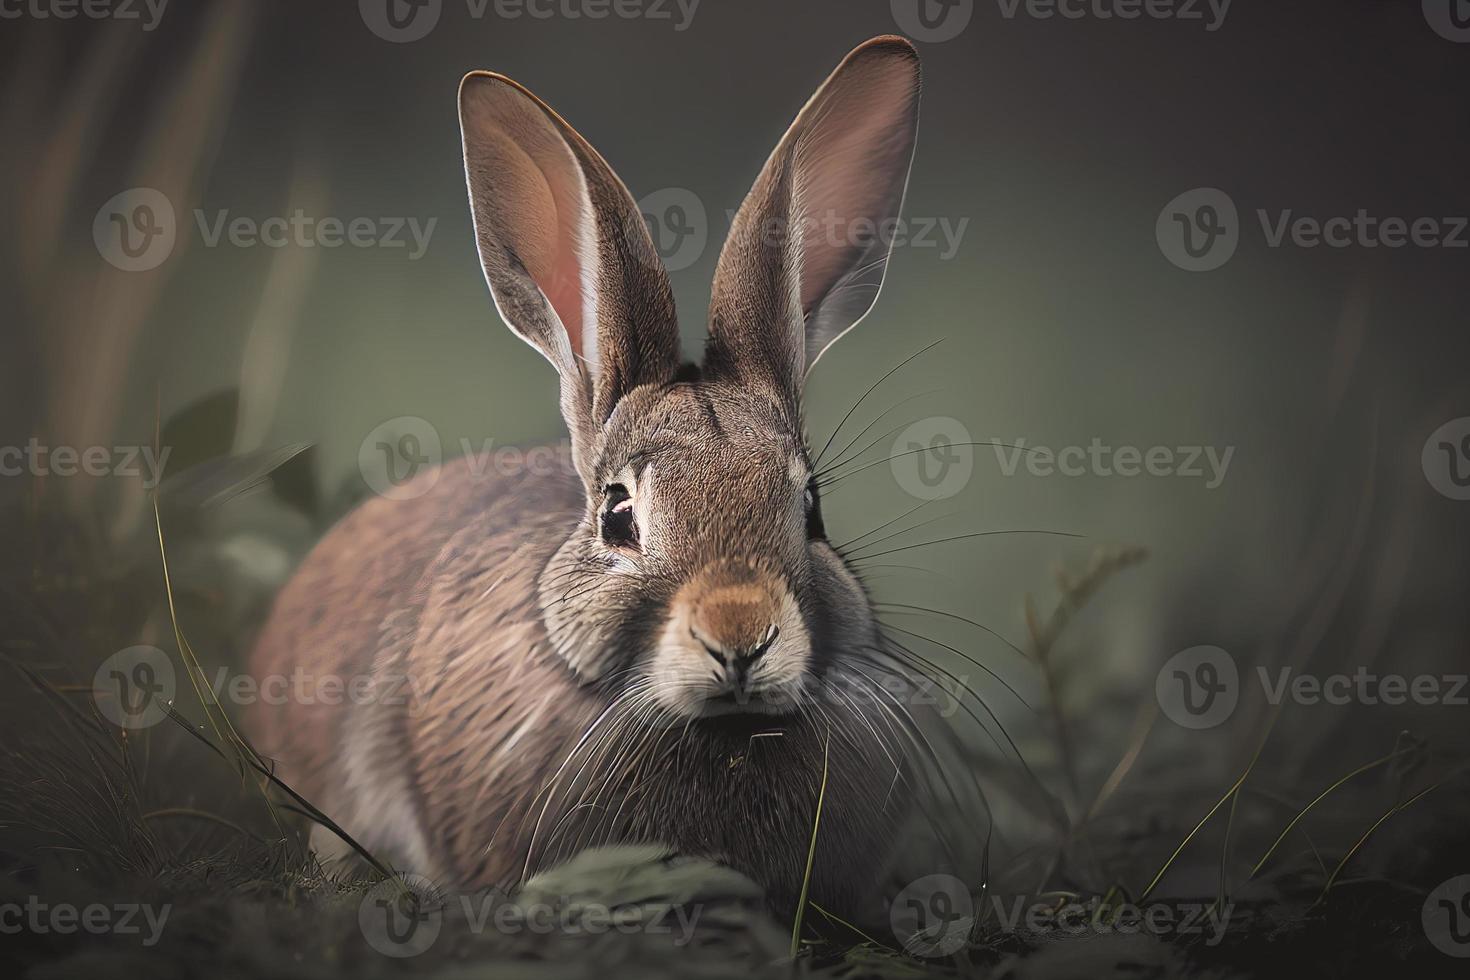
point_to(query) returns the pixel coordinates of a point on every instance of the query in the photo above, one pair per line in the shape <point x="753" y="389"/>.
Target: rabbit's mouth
<point x="733" y="702"/>
<point x="712" y="700"/>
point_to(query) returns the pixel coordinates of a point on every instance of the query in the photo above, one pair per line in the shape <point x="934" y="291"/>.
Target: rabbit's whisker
<point x="842" y="456"/>
<point x="607" y="712"/>
<point x="914" y="660"/>
<point x="967" y="535"/>
<point x="864" y="395"/>
<point x="848" y="551"/>
<point x="822" y="484"/>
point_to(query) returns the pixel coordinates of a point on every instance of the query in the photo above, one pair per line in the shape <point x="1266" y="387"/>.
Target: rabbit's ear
<point x="565" y="250"/>
<point x="807" y="250"/>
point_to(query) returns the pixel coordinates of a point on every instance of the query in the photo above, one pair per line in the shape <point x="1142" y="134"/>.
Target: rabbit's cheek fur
<point x="599" y="612"/>
<point x="839" y="611"/>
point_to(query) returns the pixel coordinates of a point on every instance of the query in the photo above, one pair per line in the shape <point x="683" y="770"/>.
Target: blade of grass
<point x="191" y="663"/>
<point x="848" y="925"/>
<point x="303" y="805"/>
<point x="982" y="897"/>
<point x="1230" y="794"/>
<point x="1142" y="727"/>
<point x="1332" y="879"/>
<point x="245" y="754"/>
<point x="811" y="854"/>
<point x="1320" y="797"/>
<point x="1225" y="854"/>
<point x="193" y="814"/>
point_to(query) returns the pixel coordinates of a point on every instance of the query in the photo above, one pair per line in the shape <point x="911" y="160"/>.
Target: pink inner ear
<point x="849" y="165"/>
<point x="563" y="284"/>
<point x="550" y="217"/>
<point x="539" y="197"/>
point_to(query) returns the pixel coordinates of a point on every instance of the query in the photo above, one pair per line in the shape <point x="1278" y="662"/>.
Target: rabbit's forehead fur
<point x="719" y="476"/>
<point x="709" y="416"/>
<point x="712" y="454"/>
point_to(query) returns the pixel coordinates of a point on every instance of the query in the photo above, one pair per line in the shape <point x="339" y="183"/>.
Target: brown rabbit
<point x="664" y="646"/>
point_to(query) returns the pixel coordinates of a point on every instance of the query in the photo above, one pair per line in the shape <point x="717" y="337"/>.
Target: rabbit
<point x="657" y="643"/>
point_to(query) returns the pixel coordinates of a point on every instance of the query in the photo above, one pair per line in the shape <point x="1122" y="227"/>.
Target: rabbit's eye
<point x="617" y="525"/>
<point x="814" y="527"/>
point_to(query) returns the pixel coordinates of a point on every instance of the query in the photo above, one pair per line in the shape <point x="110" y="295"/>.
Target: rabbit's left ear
<point x="808" y="249"/>
<point x="566" y="252"/>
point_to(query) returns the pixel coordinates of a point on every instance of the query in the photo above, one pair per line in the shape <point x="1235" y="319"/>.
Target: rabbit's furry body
<point x="657" y="644"/>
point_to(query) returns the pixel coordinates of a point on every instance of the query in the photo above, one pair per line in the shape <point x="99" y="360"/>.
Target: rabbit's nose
<point x="736" y="623"/>
<point x="740" y="659"/>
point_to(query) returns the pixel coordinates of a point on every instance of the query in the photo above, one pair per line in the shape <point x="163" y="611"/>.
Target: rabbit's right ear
<point x="808" y="248"/>
<point x="566" y="253"/>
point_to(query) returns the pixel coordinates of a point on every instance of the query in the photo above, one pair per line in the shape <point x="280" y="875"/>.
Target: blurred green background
<point x="1050" y="146"/>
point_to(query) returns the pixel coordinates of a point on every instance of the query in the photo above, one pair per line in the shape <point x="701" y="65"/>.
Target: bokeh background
<point x="1049" y="147"/>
